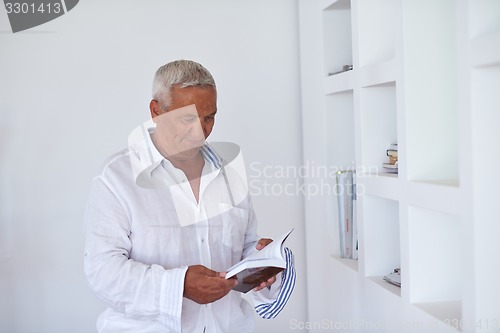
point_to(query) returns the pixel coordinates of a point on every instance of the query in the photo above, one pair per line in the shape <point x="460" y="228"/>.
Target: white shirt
<point x="141" y="239"/>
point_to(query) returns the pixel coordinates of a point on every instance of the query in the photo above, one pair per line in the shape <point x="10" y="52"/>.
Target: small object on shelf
<point x="392" y="152"/>
<point x="393" y="155"/>
<point x="345" y="68"/>
<point x="394" y="277"/>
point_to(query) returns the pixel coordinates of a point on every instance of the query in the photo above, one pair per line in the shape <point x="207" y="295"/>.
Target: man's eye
<point x="209" y="118"/>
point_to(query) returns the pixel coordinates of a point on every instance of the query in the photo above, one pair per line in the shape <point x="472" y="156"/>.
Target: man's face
<point x="188" y="121"/>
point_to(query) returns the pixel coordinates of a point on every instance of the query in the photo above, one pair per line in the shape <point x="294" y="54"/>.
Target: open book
<point x="260" y="266"/>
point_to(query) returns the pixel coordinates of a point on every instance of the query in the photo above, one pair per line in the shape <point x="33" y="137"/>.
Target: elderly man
<point x="167" y="216"/>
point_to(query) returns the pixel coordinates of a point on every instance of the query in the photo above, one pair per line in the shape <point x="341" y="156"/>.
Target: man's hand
<point x="263" y="242"/>
<point x="204" y="285"/>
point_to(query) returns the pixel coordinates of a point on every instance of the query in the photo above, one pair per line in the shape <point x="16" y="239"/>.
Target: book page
<point x="272" y="251"/>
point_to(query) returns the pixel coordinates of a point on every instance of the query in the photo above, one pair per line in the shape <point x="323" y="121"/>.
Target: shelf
<point x="378" y="125"/>
<point x="381" y="185"/>
<point x="435" y="255"/>
<point x="434" y="196"/>
<point x="381" y="248"/>
<point x="377" y="33"/>
<point x="350" y="263"/>
<point x="440" y="182"/>
<point x="379" y="74"/>
<point x="485" y="50"/>
<point x="379" y="280"/>
<point x="337" y="43"/>
<point x="340" y="82"/>
<point x="448" y="312"/>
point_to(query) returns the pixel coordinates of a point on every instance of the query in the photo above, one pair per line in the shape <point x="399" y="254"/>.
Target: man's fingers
<point x="230" y="282"/>
<point x="224" y="286"/>
<point x="260" y="286"/>
<point x="267" y="283"/>
<point x="204" y="285"/>
<point x="263" y="242"/>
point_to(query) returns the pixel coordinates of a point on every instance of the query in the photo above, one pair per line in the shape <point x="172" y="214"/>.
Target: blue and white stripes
<point x="272" y="309"/>
<point x="209" y="154"/>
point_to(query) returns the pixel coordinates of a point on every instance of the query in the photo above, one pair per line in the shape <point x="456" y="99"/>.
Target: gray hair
<point x="182" y="73"/>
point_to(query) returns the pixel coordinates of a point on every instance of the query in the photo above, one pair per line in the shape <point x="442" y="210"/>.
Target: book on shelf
<point x="259" y="266"/>
<point x="391" y="166"/>
<point x="393" y="155"/>
<point x="391" y="152"/>
<point x="346" y="198"/>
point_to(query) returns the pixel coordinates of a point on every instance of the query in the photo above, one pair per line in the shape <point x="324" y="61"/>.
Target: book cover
<point x="346" y="199"/>
<point x="260" y="266"/>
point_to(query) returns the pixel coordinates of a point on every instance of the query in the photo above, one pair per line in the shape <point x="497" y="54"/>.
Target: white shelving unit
<point x="426" y="74"/>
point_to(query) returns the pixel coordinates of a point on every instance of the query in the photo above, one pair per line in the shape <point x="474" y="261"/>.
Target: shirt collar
<point x="146" y="158"/>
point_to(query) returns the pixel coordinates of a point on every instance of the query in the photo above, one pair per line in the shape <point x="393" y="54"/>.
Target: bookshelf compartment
<point x="435" y="254"/>
<point x="340" y="131"/>
<point x="431" y="91"/>
<point x="339" y="156"/>
<point x="377" y="33"/>
<point x="449" y="312"/>
<point x="379" y="280"/>
<point x="340" y="82"/>
<point x="381" y="73"/>
<point x="381" y="247"/>
<point x="337" y="43"/>
<point x="483" y="17"/>
<point x="332" y="213"/>
<point x="379" y="127"/>
<point x="333" y="229"/>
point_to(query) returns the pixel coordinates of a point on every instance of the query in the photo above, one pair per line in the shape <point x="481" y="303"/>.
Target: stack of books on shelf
<point x="392" y="153"/>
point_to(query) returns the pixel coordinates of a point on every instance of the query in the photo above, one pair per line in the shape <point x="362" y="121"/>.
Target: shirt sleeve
<point x="140" y="291"/>
<point x="269" y="302"/>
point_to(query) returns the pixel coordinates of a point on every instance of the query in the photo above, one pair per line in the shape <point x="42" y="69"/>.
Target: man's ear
<point x="154" y="108"/>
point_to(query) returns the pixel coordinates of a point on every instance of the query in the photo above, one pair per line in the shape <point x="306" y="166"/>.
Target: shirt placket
<point x="206" y="322"/>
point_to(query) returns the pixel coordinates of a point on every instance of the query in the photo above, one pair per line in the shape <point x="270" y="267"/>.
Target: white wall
<point x="71" y="91"/>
